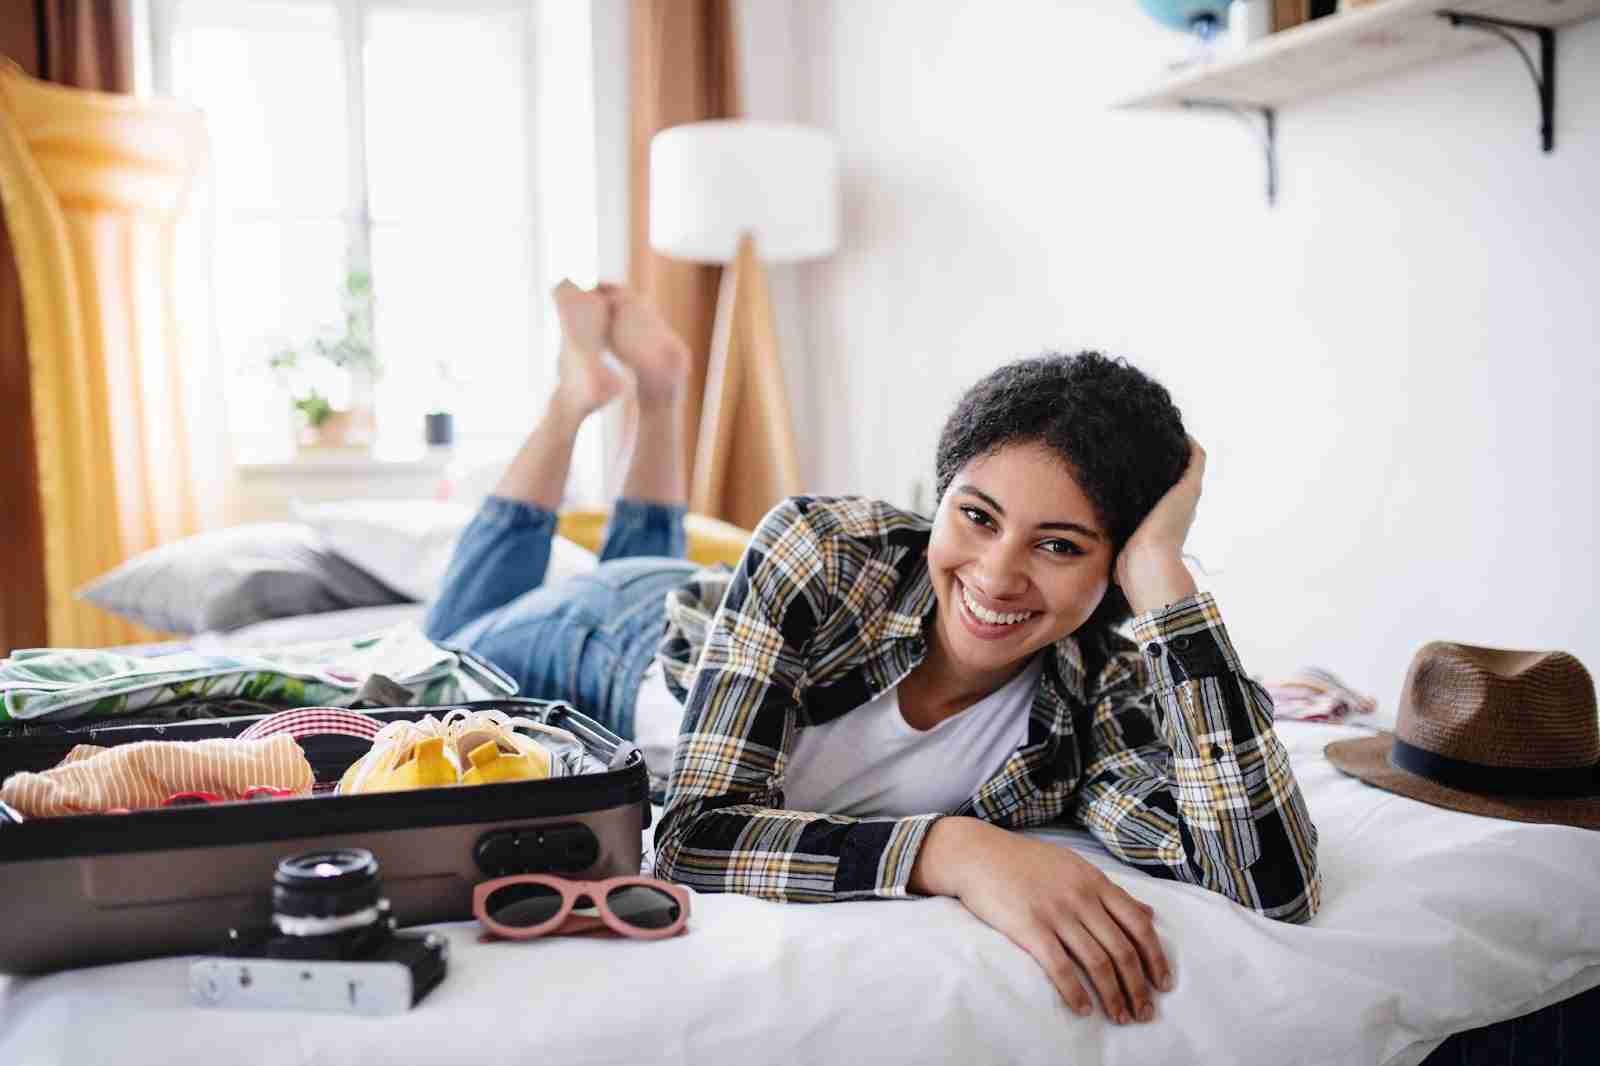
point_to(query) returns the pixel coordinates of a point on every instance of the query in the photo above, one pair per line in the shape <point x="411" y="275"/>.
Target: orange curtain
<point x="87" y="44"/>
<point x="684" y="69"/>
<point x="94" y="188"/>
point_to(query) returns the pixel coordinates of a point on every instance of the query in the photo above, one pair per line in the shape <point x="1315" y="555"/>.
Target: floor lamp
<point x="743" y="193"/>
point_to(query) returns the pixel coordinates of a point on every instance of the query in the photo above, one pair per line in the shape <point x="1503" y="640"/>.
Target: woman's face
<point x="1017" y="558"/>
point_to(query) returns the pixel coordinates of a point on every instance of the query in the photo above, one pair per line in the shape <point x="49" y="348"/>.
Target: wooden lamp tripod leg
<point x="746" y="459"/>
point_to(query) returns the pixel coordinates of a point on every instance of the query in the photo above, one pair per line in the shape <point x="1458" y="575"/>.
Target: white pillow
<point x="407" y="544"/>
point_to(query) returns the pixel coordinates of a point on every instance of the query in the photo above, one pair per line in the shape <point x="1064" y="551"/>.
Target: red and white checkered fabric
<point x="306" y="721"/>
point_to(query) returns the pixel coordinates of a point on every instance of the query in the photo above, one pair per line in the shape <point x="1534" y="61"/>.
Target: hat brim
<point x="1368" y="759"/>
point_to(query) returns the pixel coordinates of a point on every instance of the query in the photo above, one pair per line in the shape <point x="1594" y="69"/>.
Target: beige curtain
<point x="684" y="69"/>
<point x="94" y="187"/>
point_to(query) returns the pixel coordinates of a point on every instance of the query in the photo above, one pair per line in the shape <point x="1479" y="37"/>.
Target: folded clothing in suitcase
<point x="97" y="888"/>
<point x="69" y="684"/>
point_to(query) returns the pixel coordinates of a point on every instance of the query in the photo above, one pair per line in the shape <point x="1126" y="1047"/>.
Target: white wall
<point x="1393" y="371"/>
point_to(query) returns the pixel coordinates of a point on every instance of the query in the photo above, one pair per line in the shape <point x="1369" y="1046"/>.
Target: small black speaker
<point x="440" y="428"/>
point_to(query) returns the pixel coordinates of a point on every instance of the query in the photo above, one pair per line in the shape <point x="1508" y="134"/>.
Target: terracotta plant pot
<point x="342" y="430"/>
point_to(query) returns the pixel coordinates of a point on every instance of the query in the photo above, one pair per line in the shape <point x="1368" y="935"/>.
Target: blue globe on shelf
<point x="1206" y="20"/>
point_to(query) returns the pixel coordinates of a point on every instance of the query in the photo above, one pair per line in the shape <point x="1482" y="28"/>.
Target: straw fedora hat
<point x="1508" y="734"/>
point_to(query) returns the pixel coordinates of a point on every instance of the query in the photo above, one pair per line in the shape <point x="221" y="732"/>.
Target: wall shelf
<point x="1362" y="45"/>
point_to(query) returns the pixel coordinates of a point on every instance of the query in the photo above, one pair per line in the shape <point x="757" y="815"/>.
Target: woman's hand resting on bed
<point x="1055" y="906"/>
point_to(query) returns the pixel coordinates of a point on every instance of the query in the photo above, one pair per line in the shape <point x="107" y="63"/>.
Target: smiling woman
<point x="869" y="700"/>
<point x="1113" y="429"/>
<point x="1010" y="580"/>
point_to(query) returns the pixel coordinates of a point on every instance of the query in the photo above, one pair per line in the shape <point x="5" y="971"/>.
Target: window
<point x="407" y="136"/>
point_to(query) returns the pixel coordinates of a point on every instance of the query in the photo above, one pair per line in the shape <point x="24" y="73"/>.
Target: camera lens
<point x="341" y="884"/>
<point x="328" y="905"/>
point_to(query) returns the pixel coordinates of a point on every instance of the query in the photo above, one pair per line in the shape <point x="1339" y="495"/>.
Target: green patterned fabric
<point x="66" y="684"/>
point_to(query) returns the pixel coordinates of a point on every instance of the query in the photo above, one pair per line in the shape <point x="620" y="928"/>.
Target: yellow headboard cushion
<point x="711" y="540"/>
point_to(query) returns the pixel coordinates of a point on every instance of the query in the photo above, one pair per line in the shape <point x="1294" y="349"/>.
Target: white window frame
<point x="589" y="468"/>
<point x="358" y="217"/>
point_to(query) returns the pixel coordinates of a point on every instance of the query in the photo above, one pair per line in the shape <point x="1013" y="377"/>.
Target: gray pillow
<point x="232" y="577"/>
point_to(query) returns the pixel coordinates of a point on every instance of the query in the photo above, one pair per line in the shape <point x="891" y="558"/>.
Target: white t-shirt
<point x="870" y="762"/>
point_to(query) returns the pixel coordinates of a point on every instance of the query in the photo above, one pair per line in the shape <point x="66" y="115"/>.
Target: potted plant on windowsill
<point x="330" y="377"/>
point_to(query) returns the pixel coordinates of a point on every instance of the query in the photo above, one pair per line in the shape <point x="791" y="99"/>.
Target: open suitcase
<point x="107" y="887"/>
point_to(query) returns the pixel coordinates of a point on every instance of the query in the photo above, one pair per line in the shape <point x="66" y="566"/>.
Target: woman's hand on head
<point x="1054" y="905"/>
<point x="1150" y="569"/>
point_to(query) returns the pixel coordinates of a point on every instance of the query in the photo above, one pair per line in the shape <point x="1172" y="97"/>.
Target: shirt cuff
<point x="1185" y="640"/>
<point x="878" y="857"/>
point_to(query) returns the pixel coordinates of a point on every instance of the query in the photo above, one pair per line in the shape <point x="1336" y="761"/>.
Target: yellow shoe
<point x="489" y="764"/>
<point x="430" y="753"/>
<point x="490" y="746"/>
<point x="425" y="766"/>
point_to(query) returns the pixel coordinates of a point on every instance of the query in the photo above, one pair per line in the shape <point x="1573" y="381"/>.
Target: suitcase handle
<point x="380" y="691"/>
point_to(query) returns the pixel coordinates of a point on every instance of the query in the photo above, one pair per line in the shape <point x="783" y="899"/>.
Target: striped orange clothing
<point x="1163" y="749"/>
<point x="145" y="773"/>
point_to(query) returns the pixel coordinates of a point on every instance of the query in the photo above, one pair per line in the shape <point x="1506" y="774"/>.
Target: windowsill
<point x="271" y="487"/>
<point x="339" y="463"/>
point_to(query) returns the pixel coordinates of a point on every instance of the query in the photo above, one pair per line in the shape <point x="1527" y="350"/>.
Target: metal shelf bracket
<point x="1266" y="130"/>
<point x="1544" y="75"/>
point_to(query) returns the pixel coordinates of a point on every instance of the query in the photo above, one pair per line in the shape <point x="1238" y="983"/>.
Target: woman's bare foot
<point x="649" y="347"/>
<point x="586" y="383"/>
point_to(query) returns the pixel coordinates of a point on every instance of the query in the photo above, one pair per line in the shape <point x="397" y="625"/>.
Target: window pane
<point x="564" y="126"/>
<point x="446" y="114"/>
<point x="457" y="296"/>
<point x="276" y="285"/>
<point x="270" y="77"/>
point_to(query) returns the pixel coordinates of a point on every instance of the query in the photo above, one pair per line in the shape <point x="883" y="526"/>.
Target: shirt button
<point x="1216" y="751"/>
<point x="1154" y="649"/>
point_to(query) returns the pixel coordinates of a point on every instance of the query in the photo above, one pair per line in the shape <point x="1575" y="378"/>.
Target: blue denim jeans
<point x="585" y="639"/>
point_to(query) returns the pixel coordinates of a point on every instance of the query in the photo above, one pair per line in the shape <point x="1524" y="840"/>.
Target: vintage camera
<point x="332" y="945"/>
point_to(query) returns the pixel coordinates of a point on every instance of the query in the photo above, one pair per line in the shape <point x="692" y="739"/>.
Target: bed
<point x="1433" y="922"/>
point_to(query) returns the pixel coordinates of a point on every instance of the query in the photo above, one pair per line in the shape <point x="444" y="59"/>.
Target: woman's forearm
<point x="1151" y="583"/>
<point x="946" y="848"/>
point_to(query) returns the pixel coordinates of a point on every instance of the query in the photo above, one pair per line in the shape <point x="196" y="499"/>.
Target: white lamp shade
<point x="710" y="182"/>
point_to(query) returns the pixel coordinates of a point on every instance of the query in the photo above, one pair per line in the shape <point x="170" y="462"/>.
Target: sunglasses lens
<point x="523" y="906"/>
<point x="643" y="907"/>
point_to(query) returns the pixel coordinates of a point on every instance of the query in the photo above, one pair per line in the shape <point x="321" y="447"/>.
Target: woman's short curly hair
<point x="1116" y="430"/>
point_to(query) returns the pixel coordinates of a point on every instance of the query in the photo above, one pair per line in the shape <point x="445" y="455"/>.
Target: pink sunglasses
<point x="524" y="906"/>
<point x="199" y="797"/>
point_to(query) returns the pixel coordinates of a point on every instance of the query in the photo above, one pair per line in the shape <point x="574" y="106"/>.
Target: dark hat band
<point x="1495" y="780"/>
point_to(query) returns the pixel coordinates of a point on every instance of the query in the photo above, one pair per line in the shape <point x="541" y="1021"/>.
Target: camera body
<point x="394" y="978"/>
<point x="332" y="946"/>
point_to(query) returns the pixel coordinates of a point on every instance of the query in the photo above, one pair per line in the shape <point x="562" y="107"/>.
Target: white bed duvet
<point x="1432" y="922"/>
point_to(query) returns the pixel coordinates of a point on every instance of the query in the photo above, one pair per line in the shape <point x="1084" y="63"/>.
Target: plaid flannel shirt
<point x="1163" y="749"/>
